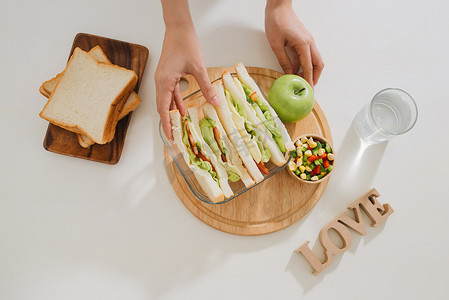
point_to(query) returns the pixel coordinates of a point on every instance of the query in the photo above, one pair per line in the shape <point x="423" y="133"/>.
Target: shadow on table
<point x="355" y="167"/>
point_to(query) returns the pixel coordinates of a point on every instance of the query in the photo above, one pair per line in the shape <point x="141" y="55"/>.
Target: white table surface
<point x="75" y="229"/>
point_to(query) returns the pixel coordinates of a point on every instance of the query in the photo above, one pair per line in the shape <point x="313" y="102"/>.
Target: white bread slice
<point x="77" y="102"/>
<point x="96" y="52"/>
<point x="234" y="159"/>
<point x="225" y="117"/>
<point x="84" y="141"/>
<point x="207" y="183"/>
<point x="221" y="171"/>
<point x="244" y="77"/>
<point x="235" y="88"/>
<point x="43" y="91"/>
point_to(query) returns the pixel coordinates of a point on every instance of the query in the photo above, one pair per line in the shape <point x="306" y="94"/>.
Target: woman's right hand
<point x="181" y="54"/>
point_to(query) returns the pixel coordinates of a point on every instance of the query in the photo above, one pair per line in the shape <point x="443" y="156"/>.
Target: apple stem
<point x="298" y="92"/>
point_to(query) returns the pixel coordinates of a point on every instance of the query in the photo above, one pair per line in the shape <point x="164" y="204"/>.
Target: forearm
<point x="176" y="14"/>
<point x="273" y="4"/>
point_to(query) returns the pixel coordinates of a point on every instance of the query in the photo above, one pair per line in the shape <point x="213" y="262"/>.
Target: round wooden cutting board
<point x="272" y="205"/>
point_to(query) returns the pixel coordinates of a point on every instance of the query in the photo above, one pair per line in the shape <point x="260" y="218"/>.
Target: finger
<point x="283" y="59"/>
<point x="317" y="62"/>
<point x="178" y="100"/>
<point x="295" y="63"/>
<point x="306" y="62"/>
<point x="163" y="100"/>
<point x="172" y="104"/>
<point x="206" y="87"/>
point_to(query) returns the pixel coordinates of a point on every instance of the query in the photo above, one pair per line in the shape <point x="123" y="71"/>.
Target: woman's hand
<point x="181" y="54"/>
<point x="284" y="30"/>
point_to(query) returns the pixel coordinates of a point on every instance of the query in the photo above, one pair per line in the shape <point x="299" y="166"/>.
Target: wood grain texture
<point x="274" y="204"/>
<point x="127" y="55"/>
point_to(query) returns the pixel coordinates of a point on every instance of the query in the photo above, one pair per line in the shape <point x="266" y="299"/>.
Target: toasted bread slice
<point x="89" y="96"/>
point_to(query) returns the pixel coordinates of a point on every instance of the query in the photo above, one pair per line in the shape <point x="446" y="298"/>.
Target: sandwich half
<point x="215" y="136"/>
<point x="267" y="114"/>
<point x="207" y="153"/>
<point x="234" y="125"/>
<point x="211" y="176"/>
<point x="266" y="145"/>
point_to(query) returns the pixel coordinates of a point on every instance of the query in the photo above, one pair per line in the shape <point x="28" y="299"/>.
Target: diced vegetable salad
<point x="312" y="159"/>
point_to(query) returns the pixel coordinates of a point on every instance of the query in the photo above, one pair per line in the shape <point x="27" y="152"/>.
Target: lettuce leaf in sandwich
<point x="207" y="127"/>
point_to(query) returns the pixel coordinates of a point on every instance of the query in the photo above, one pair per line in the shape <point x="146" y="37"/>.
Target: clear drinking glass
<point x="391" y="112"/>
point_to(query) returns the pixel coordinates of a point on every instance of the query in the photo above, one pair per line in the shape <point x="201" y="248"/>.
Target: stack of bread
<point x="90" y="96"/>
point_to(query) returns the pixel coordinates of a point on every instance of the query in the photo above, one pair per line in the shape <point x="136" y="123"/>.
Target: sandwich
<point x="234" y="125"/>
<point x="215" y="136"/>
<point x="268" y="115"/>
<point x="199" y="157"/>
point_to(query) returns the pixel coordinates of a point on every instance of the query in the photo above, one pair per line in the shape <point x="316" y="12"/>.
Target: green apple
<point x="291" y="97"/>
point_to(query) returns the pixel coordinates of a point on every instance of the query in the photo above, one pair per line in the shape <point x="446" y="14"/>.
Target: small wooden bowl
<point x="323" y="141"/>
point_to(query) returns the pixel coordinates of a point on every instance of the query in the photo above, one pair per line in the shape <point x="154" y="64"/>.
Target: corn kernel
<point x="302" y="169"/>
<point x="303" y="139"/>
<point x="299" y="162"/>
<point x="313" y="144"/>
<point x="321" y="151"/>
<point x="298" y="143"/>
<point x="292" y="166"/>
<point x="308" y="169"/>
<point x="310" y="140"/>
<point x="299" y="151"/>
<point x="314" y="178"/>
<point x="303" y="176"/>
<point x="330" y="156"/>
<point x="308" y="153"/>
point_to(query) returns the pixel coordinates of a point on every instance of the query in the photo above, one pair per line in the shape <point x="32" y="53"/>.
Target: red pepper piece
<point x="324" y="156"/>
<point x="262" y="168"/>
<point x="326" y="164"/>
<point x="312" y="158"/>
<point x="316" y="170"/>
<point x="191" y="140"/>
<point x="217" y="138"/>
<point x="253" y="96"/>
<point x="200" y="155"/>
<point x="216" y="134"/>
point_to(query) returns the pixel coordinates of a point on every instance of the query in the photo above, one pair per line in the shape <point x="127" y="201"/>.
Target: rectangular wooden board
<point x="131" y="56"/>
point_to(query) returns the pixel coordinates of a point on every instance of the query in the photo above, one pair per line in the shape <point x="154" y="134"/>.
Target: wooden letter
<point x="377" y="212"/>
<point x="329" y="247"/>
<point x="328" y="244"/>
<point x="355" y="224"/>
<point x="314" y="261"/>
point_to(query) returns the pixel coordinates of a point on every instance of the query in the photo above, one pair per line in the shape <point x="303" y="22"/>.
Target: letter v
<point x="355" y="224"/>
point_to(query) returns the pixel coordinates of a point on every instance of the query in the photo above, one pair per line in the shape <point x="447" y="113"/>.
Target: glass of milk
<point x="391" y="112"/>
